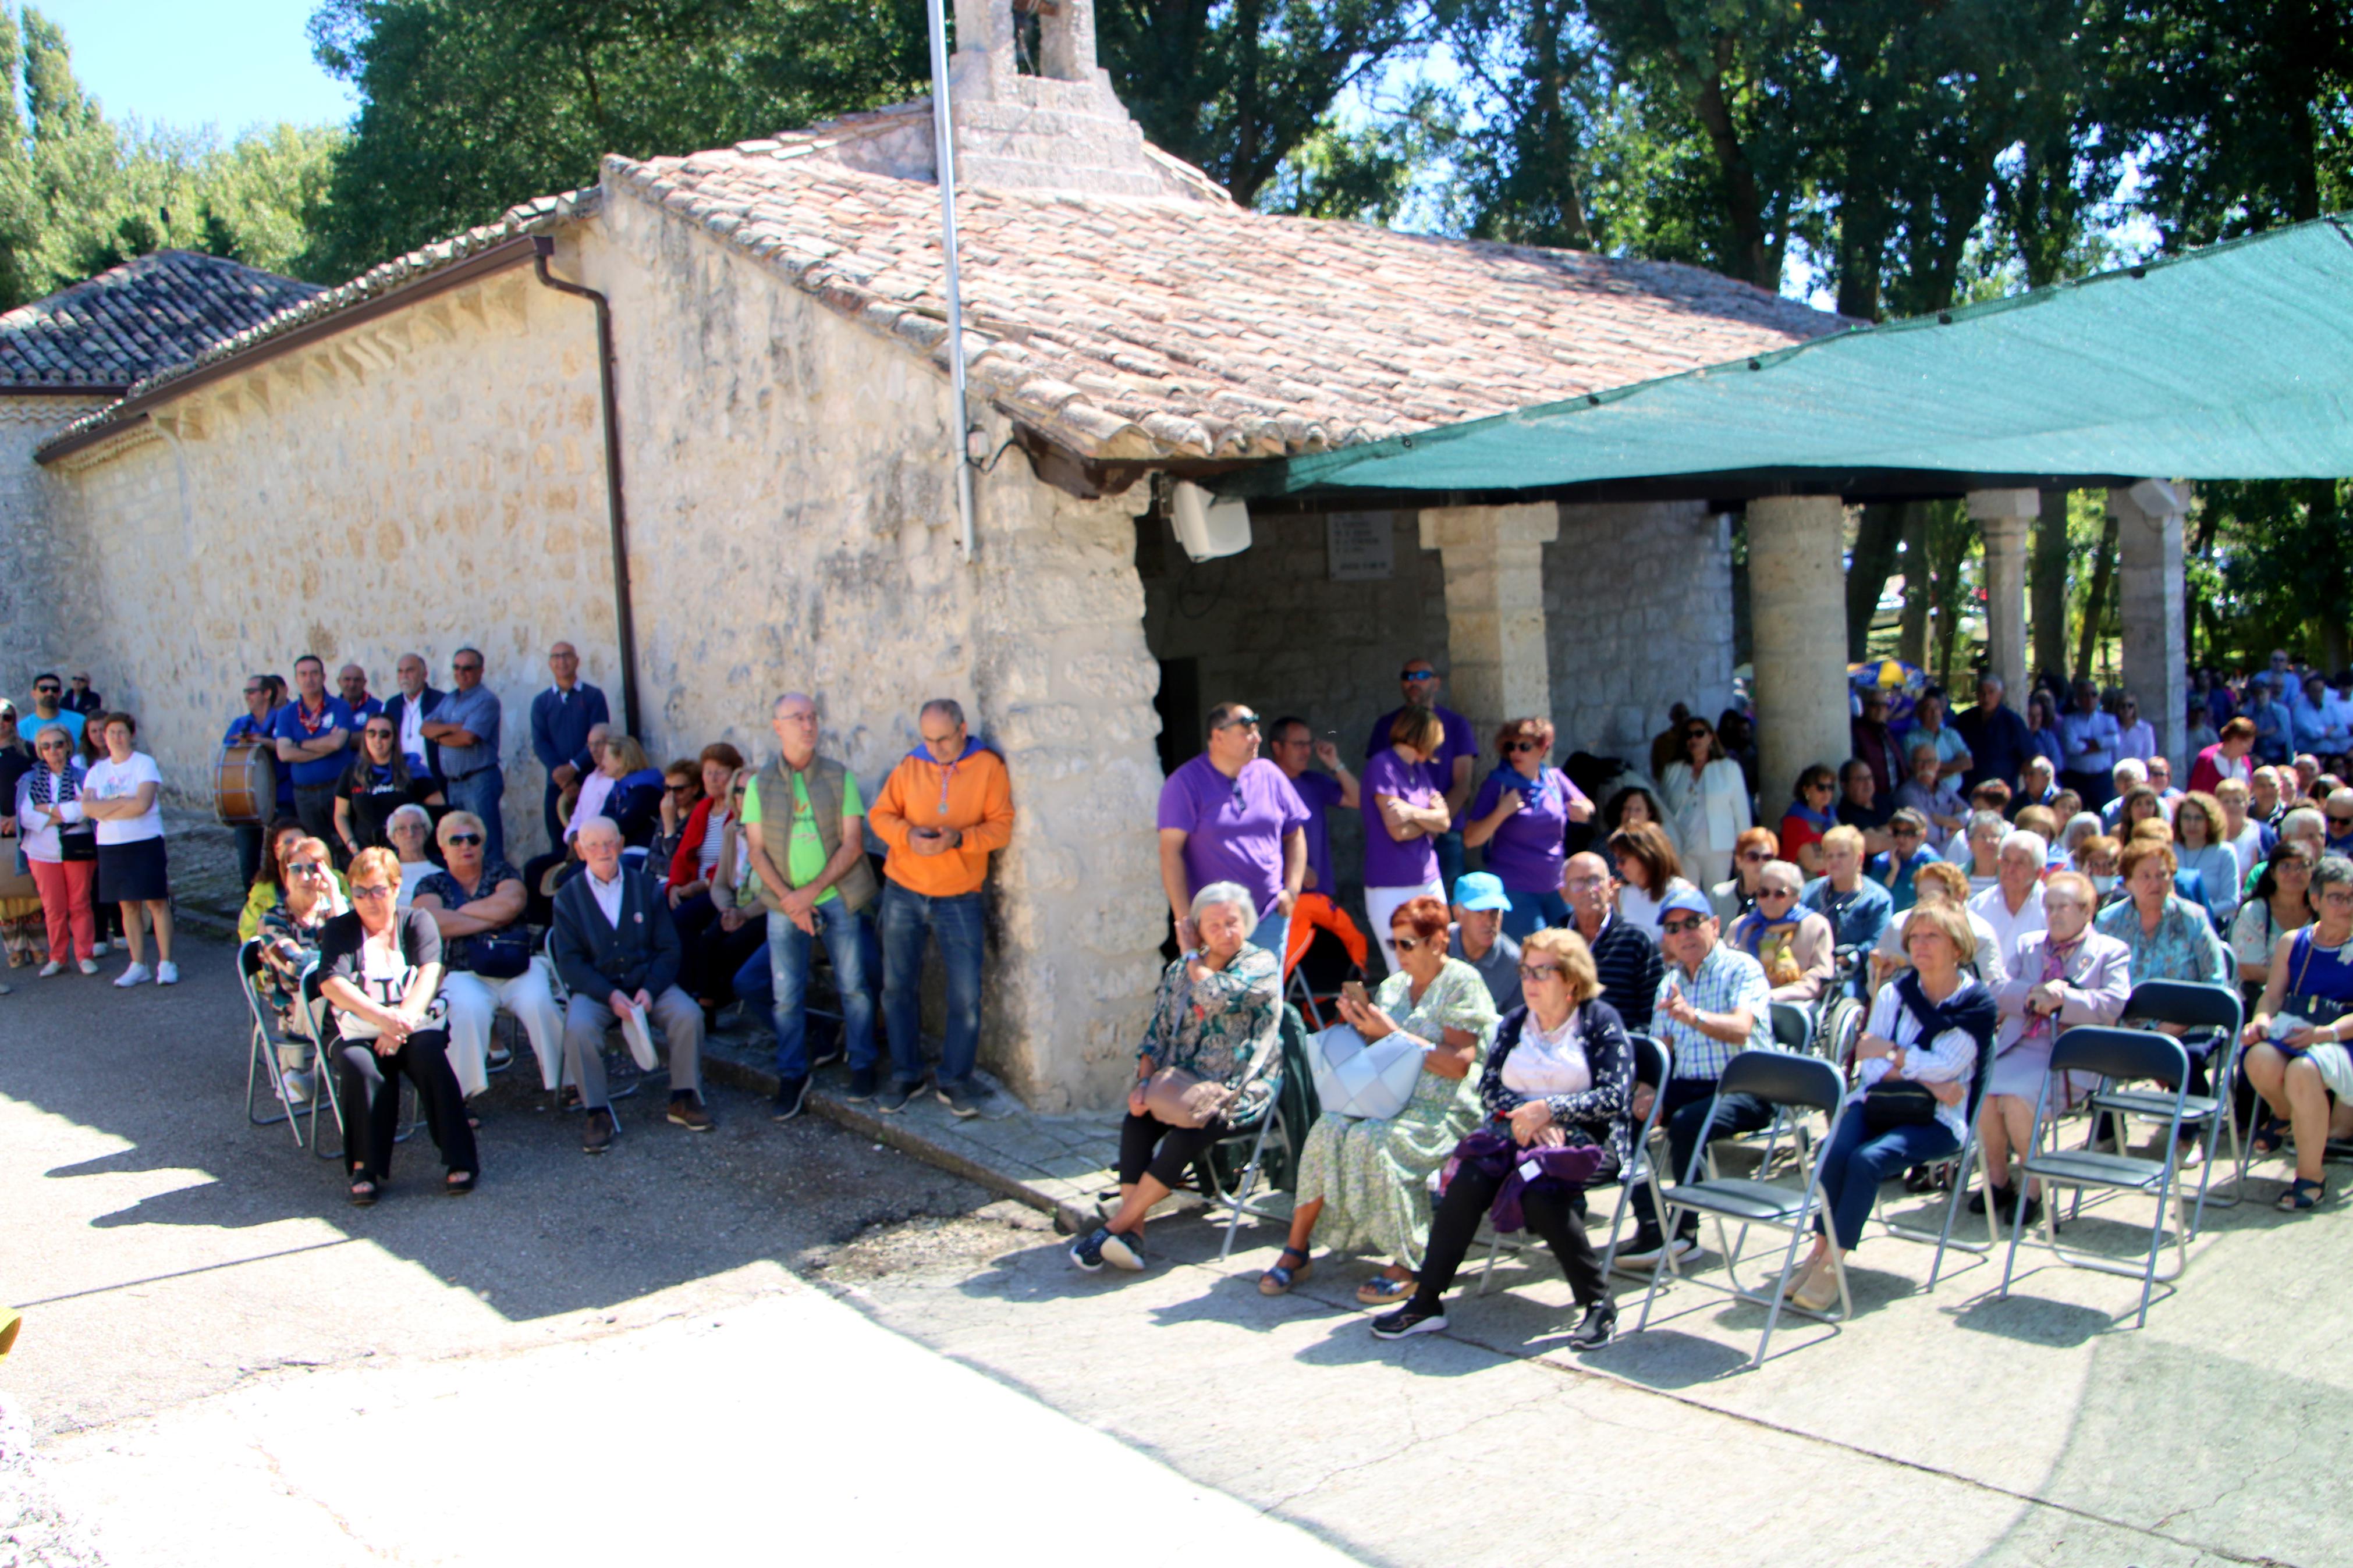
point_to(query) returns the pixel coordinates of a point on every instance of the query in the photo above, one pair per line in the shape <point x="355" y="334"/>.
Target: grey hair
<point x="1787" y="870"/>
<point x="785" y="696"/>
<point x="2131" y="768"/>
<point x="1233" y="893"/>
<point x="947" y="707"/>
<point x="2333" y="871"/>
<point x="422" y="817"/>
<point x="582" y="829"/>
<point x="2296" y="820"/>
<point x="1986" y="819"/>
<point x="45" y="730"/>
<point x="2028" y="840"/>
<point x="2082" y="826"/>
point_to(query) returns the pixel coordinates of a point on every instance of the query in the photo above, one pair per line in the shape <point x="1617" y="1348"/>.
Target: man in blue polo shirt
<point x="464" y="726"/>
<point x="312" y="732"/>
<point x="1449" y="769"/>
<point x="351" y="685"/>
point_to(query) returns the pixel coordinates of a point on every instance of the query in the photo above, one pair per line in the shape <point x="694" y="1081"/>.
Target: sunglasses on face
<point x="46" y="690"/>
<point x="53" y="746"/>
<point x="1677" y="927"/>
<point x="1518" y="746"/>
<point x="1758" y="857"/>
<point x="372" y="893"/>
<point x="677" y="788"/>
<point x="1903" y="832"/>
<point x="1241" y="722"/>
<point x="1531" y="973"/>
<point x="1418" y="675"/>
<point x="308" y="868"/>
<point x="1771" y="893"/>
<point x="464" y="840"/>
<point x="379" y="734"/>
<point x="1406" y="943"/>
<point x="467" y="668"/>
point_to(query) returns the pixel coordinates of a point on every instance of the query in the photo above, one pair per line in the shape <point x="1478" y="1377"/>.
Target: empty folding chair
<point x="2117" y="1056"/>
<point x="1794" y="1086"/>
<point x="2193" y="1004"/>
<point x="1641" y="1171"/>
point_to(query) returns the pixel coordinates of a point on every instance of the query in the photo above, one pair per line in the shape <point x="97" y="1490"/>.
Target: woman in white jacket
<point x="1708" y="799"/>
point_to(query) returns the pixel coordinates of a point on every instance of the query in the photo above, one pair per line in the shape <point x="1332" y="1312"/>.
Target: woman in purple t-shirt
<point x="1404" y="807"/>
<point x="1522" y="814"/>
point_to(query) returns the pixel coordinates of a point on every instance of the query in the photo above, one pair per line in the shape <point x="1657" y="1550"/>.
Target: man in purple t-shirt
<point x="1449" y="769"/>
<point x="1292" y="743"/>
<point x="1228" y="815"/>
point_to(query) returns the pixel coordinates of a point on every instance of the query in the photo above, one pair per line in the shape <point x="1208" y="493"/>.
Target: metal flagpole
<point x="943" y="134"/>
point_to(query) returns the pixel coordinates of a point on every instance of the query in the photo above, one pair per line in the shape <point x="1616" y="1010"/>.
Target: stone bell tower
<point x="1056" y="127"/>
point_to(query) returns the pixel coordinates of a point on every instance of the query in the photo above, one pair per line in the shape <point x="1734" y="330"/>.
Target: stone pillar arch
<point x="1797" y="606"/>
<point x="1494" y="561"/>
<point x="2149" y="603"/>
<point x="2003" y="515"/>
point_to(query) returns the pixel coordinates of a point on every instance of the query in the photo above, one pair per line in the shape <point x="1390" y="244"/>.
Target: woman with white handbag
<point x="1397" y="1093"/>
<point x="1216" y="1025"/>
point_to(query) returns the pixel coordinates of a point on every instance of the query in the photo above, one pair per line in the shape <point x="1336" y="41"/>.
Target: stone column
<point x="1493" y="559"/>
<point x="2149" y="603"/>
<point x="1797" y="605"/>
<point x="2003" y="515"/>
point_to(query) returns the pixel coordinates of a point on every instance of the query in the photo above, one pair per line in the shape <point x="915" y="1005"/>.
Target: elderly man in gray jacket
<point x="619" y="953"/>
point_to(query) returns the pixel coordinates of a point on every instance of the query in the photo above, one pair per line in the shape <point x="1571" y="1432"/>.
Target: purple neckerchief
<point x="2055" y="967"/>
<point x="1561" y="1171"/>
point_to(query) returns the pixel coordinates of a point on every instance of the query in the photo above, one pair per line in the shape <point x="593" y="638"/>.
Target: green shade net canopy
<point x="2235" y="361"/>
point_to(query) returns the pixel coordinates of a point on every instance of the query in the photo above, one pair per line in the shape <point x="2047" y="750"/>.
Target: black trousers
<point x="370" y="1087"/>
<point x="1558" y="1219"/>
<point x="1177" y="1148"/>
<point x="1685" y="1113"/>
<point x="314" y="807"/>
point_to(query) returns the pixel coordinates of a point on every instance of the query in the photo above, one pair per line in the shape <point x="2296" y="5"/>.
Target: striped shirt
<point x="1727" y="979"/>
<point x="1628" y="962"/>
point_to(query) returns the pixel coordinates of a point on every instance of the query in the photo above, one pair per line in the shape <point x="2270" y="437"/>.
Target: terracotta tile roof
<point x="146" y="315"/>
<point x="1134" y="327"/>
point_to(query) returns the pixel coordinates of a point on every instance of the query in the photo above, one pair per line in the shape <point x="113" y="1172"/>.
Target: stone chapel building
<point x="754" y="473"/>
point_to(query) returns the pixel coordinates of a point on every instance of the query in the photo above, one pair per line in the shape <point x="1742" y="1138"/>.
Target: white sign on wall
<point x="1362" y="545"/>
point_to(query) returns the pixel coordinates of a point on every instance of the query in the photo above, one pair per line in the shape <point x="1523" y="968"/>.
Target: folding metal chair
<point x="1789" y="1083"/>
<point x="2200" y="1006"/>
<point x="324" y="1039"/>
<point x="1281" y="1071"/>
<point x="562" y="994"/>
<point x="1649" y="1070"/>
<point x="266" y="1041"/>
<point x="1961" y="1161"/>
<point x="2117" y="1056"/>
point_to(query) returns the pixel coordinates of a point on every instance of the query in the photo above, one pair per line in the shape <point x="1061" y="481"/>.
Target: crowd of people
<point x="1974" y="882"/>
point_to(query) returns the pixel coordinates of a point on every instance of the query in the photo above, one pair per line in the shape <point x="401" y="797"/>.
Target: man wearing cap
<point x="1712" y="1003"/>
<point x="81" y="699"/>
<point x="1480" y="902"/>
<point x="1625" y="958"/>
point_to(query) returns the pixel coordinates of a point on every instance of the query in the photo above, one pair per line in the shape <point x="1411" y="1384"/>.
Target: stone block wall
<point x="1638" y="615"/>
<point x="431" y="478"/>
<point x="794" y="528"/>
<point x="41" y="555"/>
<point x="1270" y="628"/>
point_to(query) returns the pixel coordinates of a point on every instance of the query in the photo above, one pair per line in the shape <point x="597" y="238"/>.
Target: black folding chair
<point x="2117" y="1056"/>
<point x="1796" y="1085"/>
<point x="1278" y="1103"/>
<point x="2198" y="1005"/>
<point x="266" y="1041"/>
<point x="1649" y="1070"/>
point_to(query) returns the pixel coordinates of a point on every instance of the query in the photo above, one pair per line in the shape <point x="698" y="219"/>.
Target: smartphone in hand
<point x="1354" y="990"/>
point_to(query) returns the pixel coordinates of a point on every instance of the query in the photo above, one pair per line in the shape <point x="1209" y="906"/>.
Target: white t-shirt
<point x="111" y="780"/>
<point x="1542" y="1065"/>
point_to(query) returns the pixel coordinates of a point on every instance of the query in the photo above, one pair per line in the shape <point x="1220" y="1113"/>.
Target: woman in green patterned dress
<point x="1366" y="1182"/>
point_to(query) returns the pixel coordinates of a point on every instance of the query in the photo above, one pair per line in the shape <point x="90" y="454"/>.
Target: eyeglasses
<point x="1585" y="884"/>
<point x="255" y="691"/>
<point x="381" y="890"/>
<point x="306" y="868"/>
<point x="1757" y="857"/>
<point x="467" y="668"/>
<point x="1904" y="833"/>
<point x="1240" y="721"/>
<point x="46" y="690"/>
<point x="1677" y="927"/>
<point x="463" y="840"/>
<point x="676" y="788"/>
<point x="1771" y="893"/>
<point x="1531" y="973"/>
<point x="1519" y="746"/>
<point x="375" y="734"/>
<point x="1418" y="675"/>
<point x="1406" y="943"/>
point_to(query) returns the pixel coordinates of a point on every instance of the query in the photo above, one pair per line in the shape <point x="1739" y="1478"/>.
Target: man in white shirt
<point x="2013" y="905"/>
<point x="595" y="788"/>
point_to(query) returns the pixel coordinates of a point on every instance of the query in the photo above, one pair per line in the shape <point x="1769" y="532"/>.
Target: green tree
<point x="469" y="106"/>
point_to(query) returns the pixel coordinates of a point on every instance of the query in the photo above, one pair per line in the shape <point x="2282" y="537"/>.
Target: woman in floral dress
<point x="1367" y="1181"/>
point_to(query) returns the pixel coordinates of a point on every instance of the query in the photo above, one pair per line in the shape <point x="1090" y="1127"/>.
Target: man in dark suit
<point x="407" y="709"/>
<point x="619" y="954"/>
<point x="560" y="718"/>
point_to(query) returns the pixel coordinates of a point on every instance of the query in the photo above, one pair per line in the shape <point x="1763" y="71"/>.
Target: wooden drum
<point x="245" y="783"/>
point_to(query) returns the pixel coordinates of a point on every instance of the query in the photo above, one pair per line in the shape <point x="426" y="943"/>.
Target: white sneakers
<point x="52" y="967"/>
<point x="88" y="966"/>
<point x="167" y="973"/>
<point x="137" y="975"/>
<point x="97" y="950"/>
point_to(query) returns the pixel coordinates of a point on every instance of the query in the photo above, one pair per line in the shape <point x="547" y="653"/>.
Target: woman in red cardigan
<point x="714" y="953"/>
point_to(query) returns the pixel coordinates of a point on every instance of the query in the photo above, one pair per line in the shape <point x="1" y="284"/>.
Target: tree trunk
<point x="2096" y="608"/>
<point x="2047" y="591"/>
<point x="1912" y="641"/>
<point x="1876" y="536"/>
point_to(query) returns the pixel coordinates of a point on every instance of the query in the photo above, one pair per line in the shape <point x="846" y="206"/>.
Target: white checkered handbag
<point x="1354" y="1079"/>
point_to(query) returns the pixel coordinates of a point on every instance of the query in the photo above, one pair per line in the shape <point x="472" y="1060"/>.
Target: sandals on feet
<point x="2269" y="1139"/>
<point x="1280" y="1279"/>
<point x="2302" y="1194"/>
<point x="364" y="1192"/>
<point x="1381" y="1290"/>
<point x="458" y="1184"/>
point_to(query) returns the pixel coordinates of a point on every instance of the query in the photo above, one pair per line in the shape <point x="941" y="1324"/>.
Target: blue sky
<point x="189" y="63"/>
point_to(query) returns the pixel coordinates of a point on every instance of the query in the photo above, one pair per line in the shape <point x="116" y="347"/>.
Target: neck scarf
<point x="1970" y="1009"/>
<point x="51" y="787"/>
<point x="2055" y="955"/>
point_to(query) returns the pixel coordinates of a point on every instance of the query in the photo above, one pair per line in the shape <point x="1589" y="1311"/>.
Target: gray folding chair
<point x="324" y="1040"/>
<point x="262" y="1056"/>
<point x="1793" y="1084"/>
<point x="2117" y="1056"/>
<point x="1641" y="1171"/>
<point x="1276" y="1085"/>
<point x="1962" y="1162"/>
<point x="2200" y="1006"/>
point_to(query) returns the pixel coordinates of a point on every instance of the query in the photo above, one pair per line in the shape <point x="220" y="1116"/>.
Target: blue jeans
<point x="480" y="793"/>
<point x="907" y="917"/>
<point x="1531" y="913"/>
<point x="1854" y="1161"/>
<point x="1450" y="861"/>
<point x="789" y="951"/>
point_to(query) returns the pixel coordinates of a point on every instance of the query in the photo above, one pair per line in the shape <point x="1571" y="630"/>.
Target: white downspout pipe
<point x="943" y="134"/>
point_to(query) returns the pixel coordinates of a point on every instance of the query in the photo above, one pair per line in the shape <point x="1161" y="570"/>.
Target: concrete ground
<point x="721" y="1342"/>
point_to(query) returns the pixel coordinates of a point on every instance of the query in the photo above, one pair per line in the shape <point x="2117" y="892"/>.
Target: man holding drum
<point x="246" y="767"/>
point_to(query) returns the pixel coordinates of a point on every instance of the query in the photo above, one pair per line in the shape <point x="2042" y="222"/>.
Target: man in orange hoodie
<point x="944" y="808"/>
